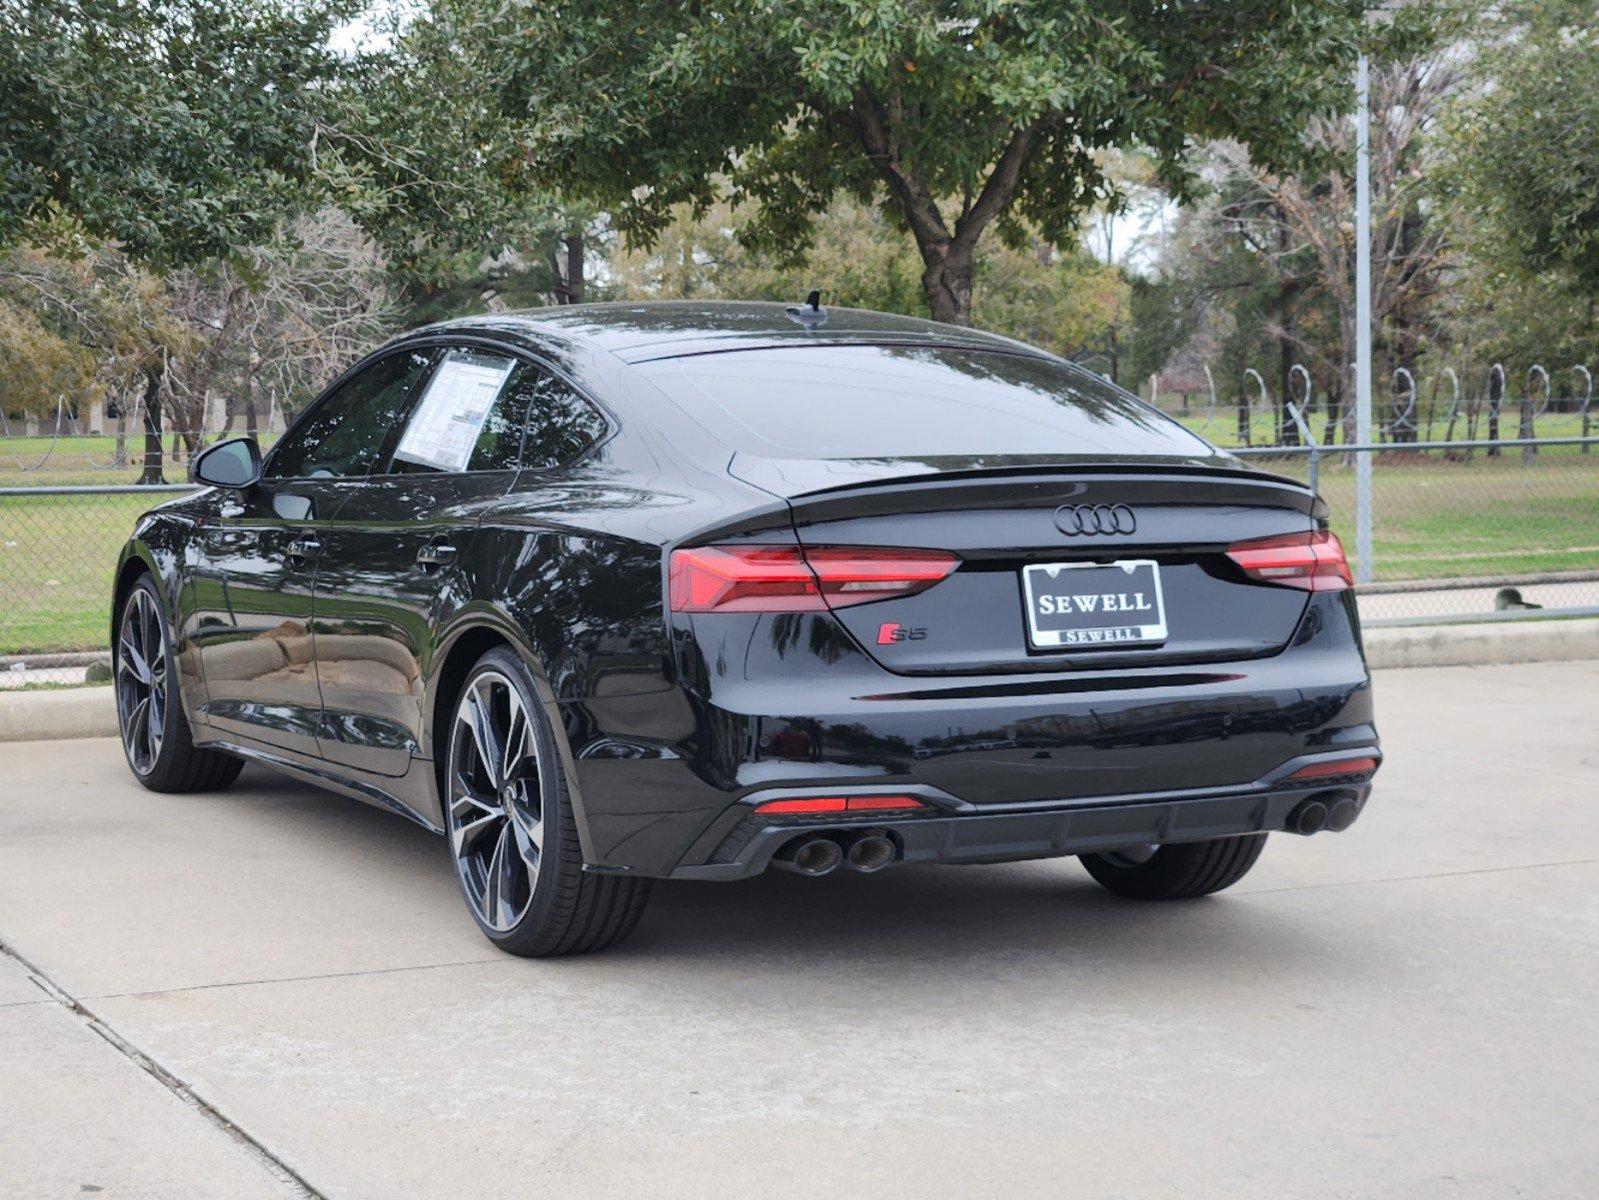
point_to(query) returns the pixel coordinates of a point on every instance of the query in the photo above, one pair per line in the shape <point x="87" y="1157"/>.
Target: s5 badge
<point x="890" y="632"/>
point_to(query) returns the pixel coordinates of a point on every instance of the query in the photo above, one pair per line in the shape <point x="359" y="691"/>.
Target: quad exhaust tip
<point x="871" y="853"/>
<point x="814" y="857"/>
<point x="1309" y="817"/>
<point x="1342" y="814"/>
<point x="818" y="856"/>
<point x="1330" y="812"/>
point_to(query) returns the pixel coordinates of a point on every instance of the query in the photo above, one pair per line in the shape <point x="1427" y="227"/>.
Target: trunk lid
<point x="1070" y="523"/>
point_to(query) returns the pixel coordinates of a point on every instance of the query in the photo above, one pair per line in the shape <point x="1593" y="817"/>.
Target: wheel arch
<point x="472" y="633"/>
<point x="136" y="560"/>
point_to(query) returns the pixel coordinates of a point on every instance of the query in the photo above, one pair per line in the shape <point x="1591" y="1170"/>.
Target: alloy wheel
<point x="141" y="681"/>
<point x="496" y="805"/>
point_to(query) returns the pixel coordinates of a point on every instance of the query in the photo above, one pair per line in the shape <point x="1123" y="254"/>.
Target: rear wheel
<point x="511" y="830"/>
<point x="1177" y="872"/>
<point x="155" y="734"/>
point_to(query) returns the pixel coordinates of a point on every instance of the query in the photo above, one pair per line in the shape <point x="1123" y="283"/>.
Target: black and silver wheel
<point x="1177" y="872"/>
<point x="155" y="734"/>
<point x="511" y="831"/>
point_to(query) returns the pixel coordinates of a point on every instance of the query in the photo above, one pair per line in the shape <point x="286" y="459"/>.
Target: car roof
<point x="639" y="332"/>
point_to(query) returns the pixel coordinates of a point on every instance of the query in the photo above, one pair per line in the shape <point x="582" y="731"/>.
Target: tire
<point x="1177" y="872"/>
<point x="156" y="739"/>
<point x="511" y="833"/>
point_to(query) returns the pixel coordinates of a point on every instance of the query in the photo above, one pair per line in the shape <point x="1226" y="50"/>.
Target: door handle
<point x="436" y="554"/>
<point x="302" y="549"/>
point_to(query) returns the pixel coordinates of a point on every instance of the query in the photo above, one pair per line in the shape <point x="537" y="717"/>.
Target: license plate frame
<point x="1042" y="579"/>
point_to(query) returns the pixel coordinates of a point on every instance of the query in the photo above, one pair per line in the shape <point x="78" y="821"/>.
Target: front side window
<point x="346" y="434"/>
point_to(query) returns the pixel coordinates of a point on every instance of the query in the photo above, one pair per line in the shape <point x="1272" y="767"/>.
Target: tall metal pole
<point x="1363" y="324"/>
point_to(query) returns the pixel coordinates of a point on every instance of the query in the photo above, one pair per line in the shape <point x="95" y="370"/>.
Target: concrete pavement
<point x="274" y="991"/>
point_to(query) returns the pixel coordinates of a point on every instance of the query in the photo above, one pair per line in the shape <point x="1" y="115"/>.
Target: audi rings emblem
<point x="1087" y="520"/>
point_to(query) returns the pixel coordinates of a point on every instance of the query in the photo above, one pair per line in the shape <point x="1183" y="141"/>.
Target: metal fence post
<point x="1363" y="550"/>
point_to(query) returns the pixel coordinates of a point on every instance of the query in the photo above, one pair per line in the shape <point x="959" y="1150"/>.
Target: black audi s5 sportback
<point x="618" y="593"/>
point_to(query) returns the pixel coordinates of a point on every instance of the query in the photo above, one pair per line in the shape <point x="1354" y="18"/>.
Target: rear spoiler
<point x="1108" y="483"/>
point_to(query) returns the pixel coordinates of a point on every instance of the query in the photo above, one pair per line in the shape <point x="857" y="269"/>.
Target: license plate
<point x="1094" y="604"/>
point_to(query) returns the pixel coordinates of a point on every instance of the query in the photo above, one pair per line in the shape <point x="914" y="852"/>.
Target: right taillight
<point x="791" y="579"/>
<point x="1312" y="561"/>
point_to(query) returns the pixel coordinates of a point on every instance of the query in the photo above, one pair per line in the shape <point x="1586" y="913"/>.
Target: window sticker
<point x="452" y="410"/>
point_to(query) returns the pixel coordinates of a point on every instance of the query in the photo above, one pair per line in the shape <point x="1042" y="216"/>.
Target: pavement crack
<point x="152" y="993"/>
<point x="250" y="1145"/>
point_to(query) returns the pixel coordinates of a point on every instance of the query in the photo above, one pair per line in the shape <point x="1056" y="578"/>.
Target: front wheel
<point x="1177" y="872"/>
<point x="155" y="734"/>
<point x="511" y="830"/>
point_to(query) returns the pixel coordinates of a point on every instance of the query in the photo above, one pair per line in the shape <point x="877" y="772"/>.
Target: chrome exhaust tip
<point x="813" y="857"/>
<point x="872" y="853"/>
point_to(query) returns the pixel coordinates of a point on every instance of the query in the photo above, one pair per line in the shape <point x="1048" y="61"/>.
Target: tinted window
<point x="347" y="432"/>
<point x="467" y="419"/>
<point x="560" y="423"/>
<point x="902" y="401"/>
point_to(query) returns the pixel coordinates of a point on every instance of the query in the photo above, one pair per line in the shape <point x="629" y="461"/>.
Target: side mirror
<point x="235" y="463"/>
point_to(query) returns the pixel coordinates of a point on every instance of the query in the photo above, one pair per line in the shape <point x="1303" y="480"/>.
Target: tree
<point x="956" y="117"/>
<point x="1289" y="218"/>
<point x="271" y="328"/>
<point x="180" y="131"/>
<point x="1062" y="300"/>
<point x="1526" y="155"/>
<point x="42" y="366"/>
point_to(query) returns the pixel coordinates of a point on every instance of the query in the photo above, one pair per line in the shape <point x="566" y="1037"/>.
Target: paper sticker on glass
<point x="452" y="410"/>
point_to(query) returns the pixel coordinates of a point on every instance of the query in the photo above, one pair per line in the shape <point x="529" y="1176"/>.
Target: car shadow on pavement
<point x="1048" y="911"/>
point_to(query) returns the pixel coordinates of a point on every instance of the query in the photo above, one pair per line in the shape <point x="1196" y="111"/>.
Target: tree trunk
<point x="574" y="267"/>
<point x="152" y="428"/>
<point x="249" y="399"/>
<point x="1496" y="397"/>
<point x="947" y="282"/>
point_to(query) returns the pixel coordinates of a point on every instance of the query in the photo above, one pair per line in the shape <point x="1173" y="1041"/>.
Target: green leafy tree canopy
<point x="957" y="116"/>
<point x="178" y="129"/>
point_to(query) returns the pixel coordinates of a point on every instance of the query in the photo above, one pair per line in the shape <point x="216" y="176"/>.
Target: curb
<point x="57" y="713"/>
<point x="92" y="712"/>
<point x="1479" y="645"/>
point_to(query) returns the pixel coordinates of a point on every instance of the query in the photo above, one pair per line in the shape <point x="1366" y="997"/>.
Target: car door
<point x="388" y="573"/>
<point x="256" y="562"/>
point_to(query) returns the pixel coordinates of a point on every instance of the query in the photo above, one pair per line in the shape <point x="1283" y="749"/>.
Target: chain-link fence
<point x="1463" y="530"/>
<point x="58" y="550"/>
<point x="1460" y="531"/>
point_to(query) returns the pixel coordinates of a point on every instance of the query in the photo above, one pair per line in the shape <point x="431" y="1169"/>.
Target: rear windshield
<point x="910" y="401"/>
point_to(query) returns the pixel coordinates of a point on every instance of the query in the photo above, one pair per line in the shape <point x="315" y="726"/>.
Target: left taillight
<point x="796" y="579"/>
<point x="1312" y="561"/>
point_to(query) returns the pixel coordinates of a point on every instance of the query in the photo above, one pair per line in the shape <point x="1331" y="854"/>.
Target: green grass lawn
<point x="1433" y="519"/>
<point x="43" y="462"/>
<point x="57" y="555"/>
<point x="1220" y="427"/>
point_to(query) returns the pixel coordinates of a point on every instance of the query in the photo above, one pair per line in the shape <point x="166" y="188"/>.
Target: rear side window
<point x="347" y="432"/>
<point x="910" y="401"/>
<point x="561" y="424"/>
<point x="489" y="412"/>
<point x="466" y="419"/>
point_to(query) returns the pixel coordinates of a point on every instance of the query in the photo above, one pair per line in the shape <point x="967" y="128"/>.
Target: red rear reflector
<point x="804" y="804"/>
<point x="1312" y="561"/>
<point x="838" y="804"/>
<point x="883" y="803"/>
<point x="792" y="579"/>
<point x="1342" y="766"/>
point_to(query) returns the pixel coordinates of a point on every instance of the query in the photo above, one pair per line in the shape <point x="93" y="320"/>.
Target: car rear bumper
<point x="1022" y="763"/>
<point x="952" y="831"/>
